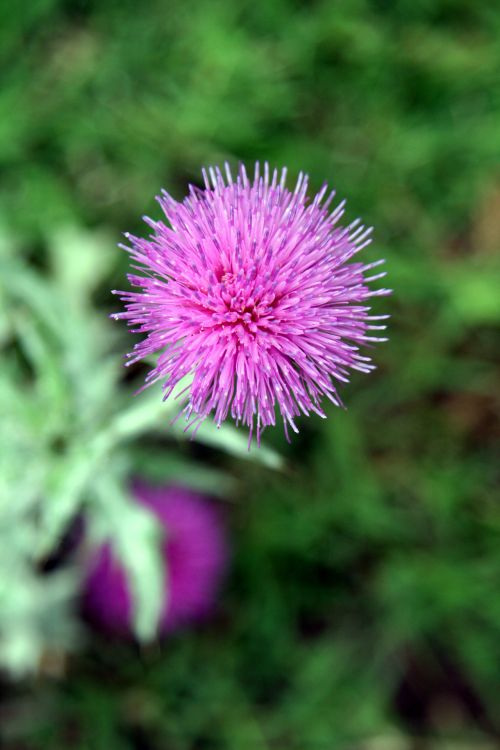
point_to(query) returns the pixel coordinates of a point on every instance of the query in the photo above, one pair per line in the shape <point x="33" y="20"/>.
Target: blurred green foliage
<point x="67" y="443"/>
<point x="362" y="606"/>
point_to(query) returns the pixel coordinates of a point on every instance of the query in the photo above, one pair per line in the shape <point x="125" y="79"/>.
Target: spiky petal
<point x="252" y="290"/>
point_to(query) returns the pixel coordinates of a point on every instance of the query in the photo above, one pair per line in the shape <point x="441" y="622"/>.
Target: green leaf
<point x="233" y="441"/>
<point x="80" y="260"/>
<point x="136" y="537"/>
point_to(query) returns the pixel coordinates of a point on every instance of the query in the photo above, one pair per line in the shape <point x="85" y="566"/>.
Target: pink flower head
<point x="250" y="289"/>
<point x="195" y="553"/>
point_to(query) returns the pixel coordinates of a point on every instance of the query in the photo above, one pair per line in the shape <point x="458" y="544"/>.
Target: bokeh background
<point x="361" y="608"/>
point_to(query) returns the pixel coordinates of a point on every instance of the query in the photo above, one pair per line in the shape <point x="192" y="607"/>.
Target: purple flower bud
<point x="195" y="553"/>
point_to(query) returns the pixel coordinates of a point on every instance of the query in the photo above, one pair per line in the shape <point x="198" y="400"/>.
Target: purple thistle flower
<point x="195" y="553"/>
<point x="250" y="290"/>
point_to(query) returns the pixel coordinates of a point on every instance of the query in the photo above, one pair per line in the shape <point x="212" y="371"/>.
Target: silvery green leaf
<point x="34" y="615"/>
<point x="80" y="259"/>
<point x="233" y="441"/>
<point x="169" y="466"/>
<point x="20" y="285"/>
<point x="136" y="538"/>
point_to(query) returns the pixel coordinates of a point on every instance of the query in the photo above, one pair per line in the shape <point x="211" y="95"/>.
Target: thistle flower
<point x="250" y="289"/>
<point x="195" y="554"/>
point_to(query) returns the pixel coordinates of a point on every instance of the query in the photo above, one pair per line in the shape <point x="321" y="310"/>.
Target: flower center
<point x="241" y="303"/>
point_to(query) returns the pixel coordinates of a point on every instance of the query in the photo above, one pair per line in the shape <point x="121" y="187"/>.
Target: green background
<point x="362" y="608"/>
